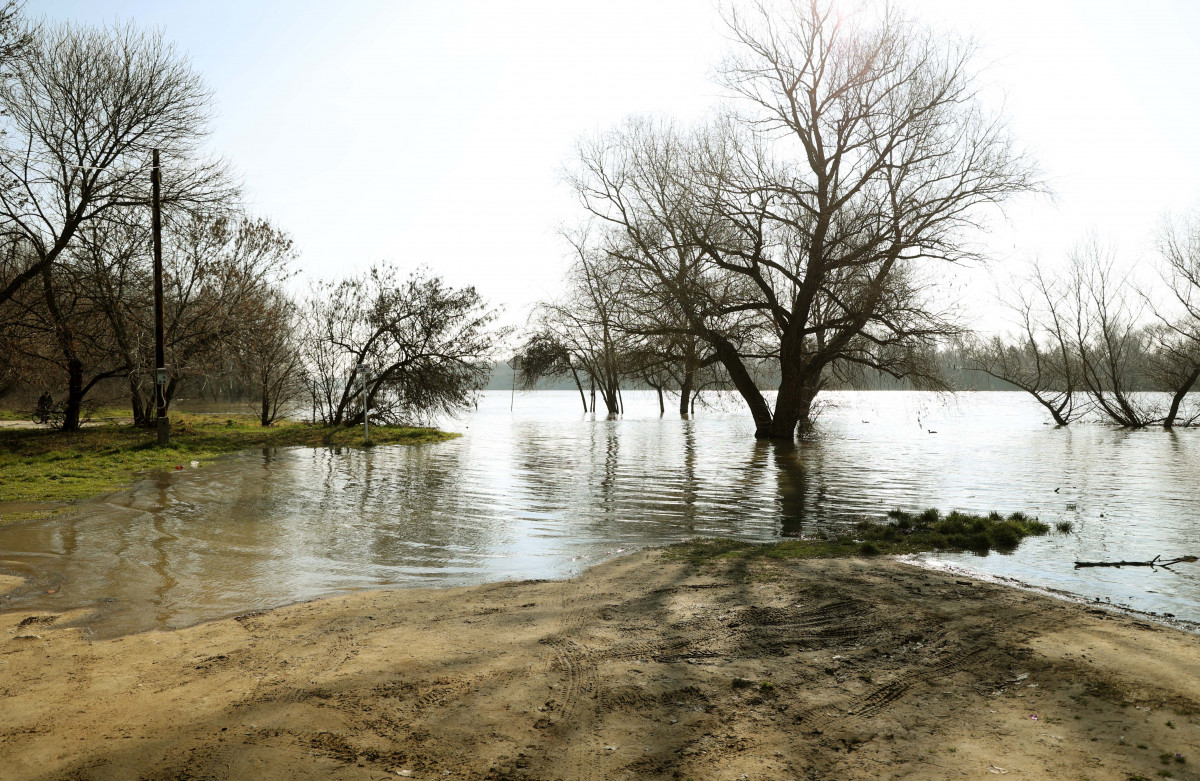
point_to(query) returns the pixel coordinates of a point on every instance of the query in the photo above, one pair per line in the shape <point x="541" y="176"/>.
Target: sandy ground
<point x="645" y="667"/>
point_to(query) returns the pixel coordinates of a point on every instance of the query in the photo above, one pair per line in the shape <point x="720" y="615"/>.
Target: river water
<point x="542" y="490"/>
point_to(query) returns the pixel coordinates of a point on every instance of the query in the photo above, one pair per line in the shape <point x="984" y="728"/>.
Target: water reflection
<point x="543" y="491"/>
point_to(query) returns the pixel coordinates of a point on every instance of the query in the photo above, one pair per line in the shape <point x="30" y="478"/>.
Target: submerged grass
<point x="39" y="465"/>
<point x="902" y="533"/>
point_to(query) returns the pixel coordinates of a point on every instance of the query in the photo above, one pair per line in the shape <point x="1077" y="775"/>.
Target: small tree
<point x="428" y="345"/>
<point x="544" y="356"/>
<point x="267" y="353"/>
<point x="1110" y="338"/>
<point x="586" y="322"/>
<point x="1176" y="363"/>
<point x="1041" y="361"/>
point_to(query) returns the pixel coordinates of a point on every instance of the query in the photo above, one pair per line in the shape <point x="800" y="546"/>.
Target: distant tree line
<point x="81" y="109"/>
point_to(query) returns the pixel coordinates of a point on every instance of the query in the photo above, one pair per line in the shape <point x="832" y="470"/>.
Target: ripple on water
<point x="543" y="491"/>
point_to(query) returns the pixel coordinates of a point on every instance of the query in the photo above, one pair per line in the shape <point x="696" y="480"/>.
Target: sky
<point x="435" y="133"/>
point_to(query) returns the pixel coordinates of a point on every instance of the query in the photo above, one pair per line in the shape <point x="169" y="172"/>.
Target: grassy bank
<point x="39" y="465"/>
<point x="902" y="533"/>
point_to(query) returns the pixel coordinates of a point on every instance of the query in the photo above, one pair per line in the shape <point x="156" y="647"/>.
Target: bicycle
<point x="53" y="416"/>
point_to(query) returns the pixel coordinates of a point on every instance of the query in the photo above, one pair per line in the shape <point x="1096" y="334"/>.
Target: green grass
<point x="901" y="533"/>
<point x="25" y="413"/>
<point x="40" y="465"/>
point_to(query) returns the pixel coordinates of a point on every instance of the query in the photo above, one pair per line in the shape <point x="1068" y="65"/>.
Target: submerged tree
<point x="1110" y="339"/>
<point x="543" y="355"/>
<point x="584" y="327"/>
<point x="864" y="157"/>
<point x="1041" y="361"/>
<point x="1176" y="337"/>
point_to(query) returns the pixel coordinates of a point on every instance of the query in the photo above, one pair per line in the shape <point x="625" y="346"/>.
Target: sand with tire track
<point x="645" y="667"/>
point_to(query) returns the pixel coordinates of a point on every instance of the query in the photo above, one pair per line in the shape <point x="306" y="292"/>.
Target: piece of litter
<point x="997" y="771"/>
<point x="1019" y="678"/>
<point x="1033" y="716"/>
<point x="610" y="748"/>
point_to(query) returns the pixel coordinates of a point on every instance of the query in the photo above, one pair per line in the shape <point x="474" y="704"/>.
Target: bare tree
<point x="864" y="157"/>
<point x="544" y="356"/>
<point x="217" y="276"/>
<point x="585" y="324"/>
<point x="1041" y="361"/>
<point x="81" y="110"/>
<point x="32" y="338"/>
<point x="1176" y="339"/>
<point x="1110" y="337"/>
<point x="428" y="345"/>
<point x="268" y="352"/>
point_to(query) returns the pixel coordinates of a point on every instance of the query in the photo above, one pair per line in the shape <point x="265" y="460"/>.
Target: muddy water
<point x="542" y="491"/>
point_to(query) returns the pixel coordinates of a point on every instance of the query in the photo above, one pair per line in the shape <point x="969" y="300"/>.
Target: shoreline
<point x="1070" y="597"/>
<point x="645" y="666"/>
<point x="57" y="469"/>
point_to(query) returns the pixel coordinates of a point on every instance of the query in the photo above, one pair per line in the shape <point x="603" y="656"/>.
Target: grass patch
<point x="900" y="533"/>
<point x="40" y="465"/>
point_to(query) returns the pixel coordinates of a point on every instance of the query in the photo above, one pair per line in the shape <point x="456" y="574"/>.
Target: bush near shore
<point x="40" y="465"/>
<point x="902" y="533"/>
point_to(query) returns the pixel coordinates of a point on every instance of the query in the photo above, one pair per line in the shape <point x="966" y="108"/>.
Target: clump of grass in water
<point x="902" y="533"/>
<point x="956" y="531"/>
<point x="1063" y="527"/>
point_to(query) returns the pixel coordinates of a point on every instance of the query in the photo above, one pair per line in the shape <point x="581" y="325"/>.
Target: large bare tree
<point x="860" y="156"/>
<point x="81" y="109"/>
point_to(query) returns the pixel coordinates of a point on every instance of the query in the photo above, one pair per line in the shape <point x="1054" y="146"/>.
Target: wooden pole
<point x="162" y="424"/>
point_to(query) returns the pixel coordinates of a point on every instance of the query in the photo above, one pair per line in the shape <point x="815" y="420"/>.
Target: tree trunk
<point x="759" y="410"/>
<point x="1177" y="399"/>
<point x="685" y="391"/>
<point x="662" y="408"/>
<point x="136" y="402"/>
<point x="579" y="385"/>
<point x="793" y="406"/>
<point x="611" y="403"/>
<point x="74" y="395"/>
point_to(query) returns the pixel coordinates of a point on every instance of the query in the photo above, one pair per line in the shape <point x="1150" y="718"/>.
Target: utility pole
<point x="364" y="374"/>
<point x="161" y="422"/>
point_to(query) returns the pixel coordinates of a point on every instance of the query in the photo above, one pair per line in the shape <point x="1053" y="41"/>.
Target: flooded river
<point x="543" y="490"/>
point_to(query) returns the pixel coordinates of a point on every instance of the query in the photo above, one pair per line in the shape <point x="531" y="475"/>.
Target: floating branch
<point x="1155" y="562"/>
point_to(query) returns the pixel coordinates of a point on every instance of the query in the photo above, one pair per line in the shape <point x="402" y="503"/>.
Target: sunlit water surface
<point x="543" y="490"/>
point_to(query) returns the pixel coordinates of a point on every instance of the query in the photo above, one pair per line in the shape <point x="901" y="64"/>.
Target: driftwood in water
<point x="1155" y="562"/>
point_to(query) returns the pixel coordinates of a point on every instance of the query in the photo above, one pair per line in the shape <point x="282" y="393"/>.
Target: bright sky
<point x="434" y="132"/>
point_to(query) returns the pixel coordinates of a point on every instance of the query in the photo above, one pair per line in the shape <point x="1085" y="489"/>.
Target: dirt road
<point x="645" y="667"/>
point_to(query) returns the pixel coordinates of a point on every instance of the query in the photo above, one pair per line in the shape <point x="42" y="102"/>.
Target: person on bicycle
<point x="45" y="402"/>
